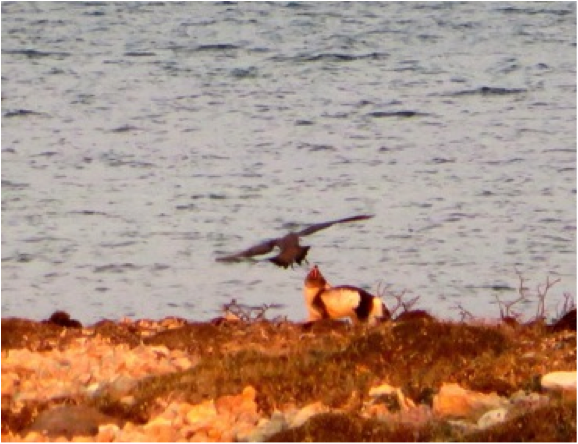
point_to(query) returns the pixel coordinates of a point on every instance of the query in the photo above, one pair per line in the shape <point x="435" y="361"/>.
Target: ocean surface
<point x="140" y="141"/>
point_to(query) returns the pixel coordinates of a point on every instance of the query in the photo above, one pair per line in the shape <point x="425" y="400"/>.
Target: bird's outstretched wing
<point x="316" y="227"/>
<point x="262" y="248"/>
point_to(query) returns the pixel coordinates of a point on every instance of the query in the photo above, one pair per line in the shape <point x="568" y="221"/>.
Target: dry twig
<point x="464" y="313"/>
<point x="234" y="310"/>
<point x="542" y="291"/>
<point x="524" y="295"/>
<point x="406" y="305"/>
<point x="568" y="305"/>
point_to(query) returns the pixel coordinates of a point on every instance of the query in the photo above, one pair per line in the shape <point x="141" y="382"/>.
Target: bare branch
<point x="464" y="313"/>
<point x="568" y="305"/>
<point x="234" y="310"/>
<point x="525" y="295"/>
<point x="506" y="307"/>
<point x="542" y="291"/>
<point x="406" y="305"/>
<point x="502" y="315"/>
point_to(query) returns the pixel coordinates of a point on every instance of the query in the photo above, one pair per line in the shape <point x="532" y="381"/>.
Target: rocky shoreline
<point x="414" y="378"/>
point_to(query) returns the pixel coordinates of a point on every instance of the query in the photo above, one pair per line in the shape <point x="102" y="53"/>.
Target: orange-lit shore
<point x="175" y="380"/>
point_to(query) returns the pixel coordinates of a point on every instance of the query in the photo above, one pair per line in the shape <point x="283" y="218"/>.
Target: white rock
<point x="307" y="412"/>
<point x="528" y="399"/>
<point x="158" y="421"/>
<point x="559" y="380"/>
<point x="201" y="415"/>
<point x="493" y="417"/>
<point x="108" y="432"/>
<point x="455" y="401"/>
<point x="382" y="390"/>
<point x="267" y="427"/>
<point x="128" y="400"/>
<point x="464" y="426"/>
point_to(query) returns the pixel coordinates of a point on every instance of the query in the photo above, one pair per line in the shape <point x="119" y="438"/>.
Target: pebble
<point x="86" y="366"/>
<point x="454" y="401"/>
<point x="265" y="428"/>
<point x="384" y="391"/>
<point x="92" y="366"/>
<point x="493" y="417"/>
<point x="201" y="415"/>
<point x="108" y="432"/>
<point x="69" y="421"/>
<point x="160" y="430"/>
<point x="303" y="415"/>
<point x="559" y="381"/>
<point x="381" y="390"/>
<point x="528" y="400"/>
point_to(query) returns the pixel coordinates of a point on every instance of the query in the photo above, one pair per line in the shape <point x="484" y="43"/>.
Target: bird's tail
<point x="285" y="262"/>
<point x="279" y="262"/>
<point x="302" y="253"/>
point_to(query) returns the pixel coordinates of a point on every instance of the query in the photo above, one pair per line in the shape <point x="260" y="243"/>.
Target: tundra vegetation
<point x="332" y="363"/>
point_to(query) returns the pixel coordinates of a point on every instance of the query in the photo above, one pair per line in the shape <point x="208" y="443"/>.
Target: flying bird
<point x="290" y="249"/>
<point x="345" y="301"/>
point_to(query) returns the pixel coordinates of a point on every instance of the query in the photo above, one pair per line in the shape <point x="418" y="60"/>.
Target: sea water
<point x="141" y="140"/>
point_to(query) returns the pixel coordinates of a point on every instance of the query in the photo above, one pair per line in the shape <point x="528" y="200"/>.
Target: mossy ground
<point x="293" y="365"/>
<point x="556" y="422"/>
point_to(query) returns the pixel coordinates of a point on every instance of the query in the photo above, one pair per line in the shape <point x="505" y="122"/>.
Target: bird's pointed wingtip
<point x="361" y="217"/>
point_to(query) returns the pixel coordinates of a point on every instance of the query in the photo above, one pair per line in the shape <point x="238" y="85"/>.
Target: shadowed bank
<point x="326" y="363"/>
